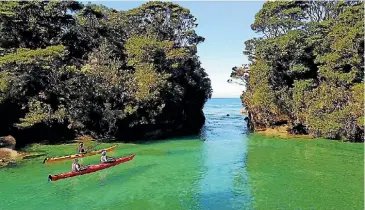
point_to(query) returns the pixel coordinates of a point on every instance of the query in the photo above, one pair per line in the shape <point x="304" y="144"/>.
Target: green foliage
<point x="259" y="96"/>
<point x="343" y="64"/>
<point x="308" y="68"/>
<point x="277" y="18"/>
<point x="300" y="90"/>
<point x="7" y="8"/>
<point x="166" y="20"/>
<point x="149" y="82"/>
<point x="27" y="56"/>
<point x="93" y="70"/>
<point x="329" y="111"/>
<point x="4" y="84"/>
<point x="41" y="112"/>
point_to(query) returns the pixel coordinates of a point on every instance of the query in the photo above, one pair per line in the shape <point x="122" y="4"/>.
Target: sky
<point x="225" y="27"/>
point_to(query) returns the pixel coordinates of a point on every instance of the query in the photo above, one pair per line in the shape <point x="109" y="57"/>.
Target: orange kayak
<point x="90" y="169"/>
<point x="69" y="157"/>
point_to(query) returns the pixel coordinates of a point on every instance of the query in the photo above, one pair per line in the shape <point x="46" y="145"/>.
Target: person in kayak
<point x="78" y="167"/>
<point x="106" y="159"/>
<point x="81" y="149"/>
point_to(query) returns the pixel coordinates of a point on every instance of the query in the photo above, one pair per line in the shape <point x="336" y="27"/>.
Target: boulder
<point x="8" y="142"/>
<point x="7" y="154"/>
<point x="8" y="157"/>
<point x="243" y="111"/>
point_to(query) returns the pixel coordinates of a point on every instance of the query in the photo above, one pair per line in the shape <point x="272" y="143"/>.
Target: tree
<point x="71" y="69"/>
<point x="306" y="68"/>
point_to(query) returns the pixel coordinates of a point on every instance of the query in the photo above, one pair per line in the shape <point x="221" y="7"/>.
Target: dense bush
<point x="71" y="69"/>
<point x="307" y="68"/>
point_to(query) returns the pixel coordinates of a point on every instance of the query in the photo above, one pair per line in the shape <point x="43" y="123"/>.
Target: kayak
<point x="69" y="157"/>
<point x="91" y="169"/>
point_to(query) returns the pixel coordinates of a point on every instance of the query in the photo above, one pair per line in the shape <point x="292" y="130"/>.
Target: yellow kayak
<point x="69" y="157"/>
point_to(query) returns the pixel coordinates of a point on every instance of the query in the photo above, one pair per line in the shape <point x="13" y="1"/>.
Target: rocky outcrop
<point x="250" y="123"/>
<point x="244" y="111"/>
<point x="8" y="156"/>
<point x="282" y="131"/>
<point x="278" y="129"/>
<point x="189" y="124"/>
<point x="8" y="142"/>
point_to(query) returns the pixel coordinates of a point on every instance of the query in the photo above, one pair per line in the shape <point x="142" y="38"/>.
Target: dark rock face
<point x="298" y="129"/>
<point x="194" y="123"/>
<point x="42" y="132"/>
<point x="8" y="142"/>
<point x="184" y="120"/>
<point x="250" y="123"/>
<point x="189" y="125"/>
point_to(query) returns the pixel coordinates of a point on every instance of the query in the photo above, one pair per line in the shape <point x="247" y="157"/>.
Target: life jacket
<point x="103" y="159"/>
<point x="75" y="166"/>
<point x="81" y="150"/>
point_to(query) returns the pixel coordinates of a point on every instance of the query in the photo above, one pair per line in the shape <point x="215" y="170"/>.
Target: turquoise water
<point x="223" y="168"/>
<point x="225" y="182"/>
<point x="198" y="172"/>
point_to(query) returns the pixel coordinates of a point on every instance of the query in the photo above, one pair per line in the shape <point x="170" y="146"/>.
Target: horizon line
<point x="225" y="97"/>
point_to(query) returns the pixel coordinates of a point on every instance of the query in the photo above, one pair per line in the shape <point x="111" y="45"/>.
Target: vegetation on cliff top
<point x="307" y="68"/>
<point x="70" y="69"/>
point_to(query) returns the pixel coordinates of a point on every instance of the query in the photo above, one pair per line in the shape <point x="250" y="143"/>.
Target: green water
<point x="306" y="174"/>
<point x="163" y="175"/>
<point x="223" y="168"/>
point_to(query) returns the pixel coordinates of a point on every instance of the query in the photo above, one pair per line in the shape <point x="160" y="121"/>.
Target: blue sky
<point x="225" y="26"/>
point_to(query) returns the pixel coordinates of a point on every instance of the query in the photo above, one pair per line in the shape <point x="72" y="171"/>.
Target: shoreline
<point x="10" y="157"/>
<point x="25" y="154"/>
<point x="281" y="131"/>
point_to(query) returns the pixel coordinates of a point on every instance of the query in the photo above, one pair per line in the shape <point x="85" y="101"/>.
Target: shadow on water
<point x="153" y="142"/>
<point x="34" y="156"/>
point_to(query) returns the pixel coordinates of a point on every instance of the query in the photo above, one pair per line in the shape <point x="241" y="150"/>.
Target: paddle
<point x="93" y="147"/>
<point x="88" y="149"/>
<point x="99" y="142"/>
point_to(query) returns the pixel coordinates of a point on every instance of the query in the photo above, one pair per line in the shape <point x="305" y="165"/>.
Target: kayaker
<point x="77" y="167"/>
<point x="106" y="159"/>
<point x="81" y="149"/>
